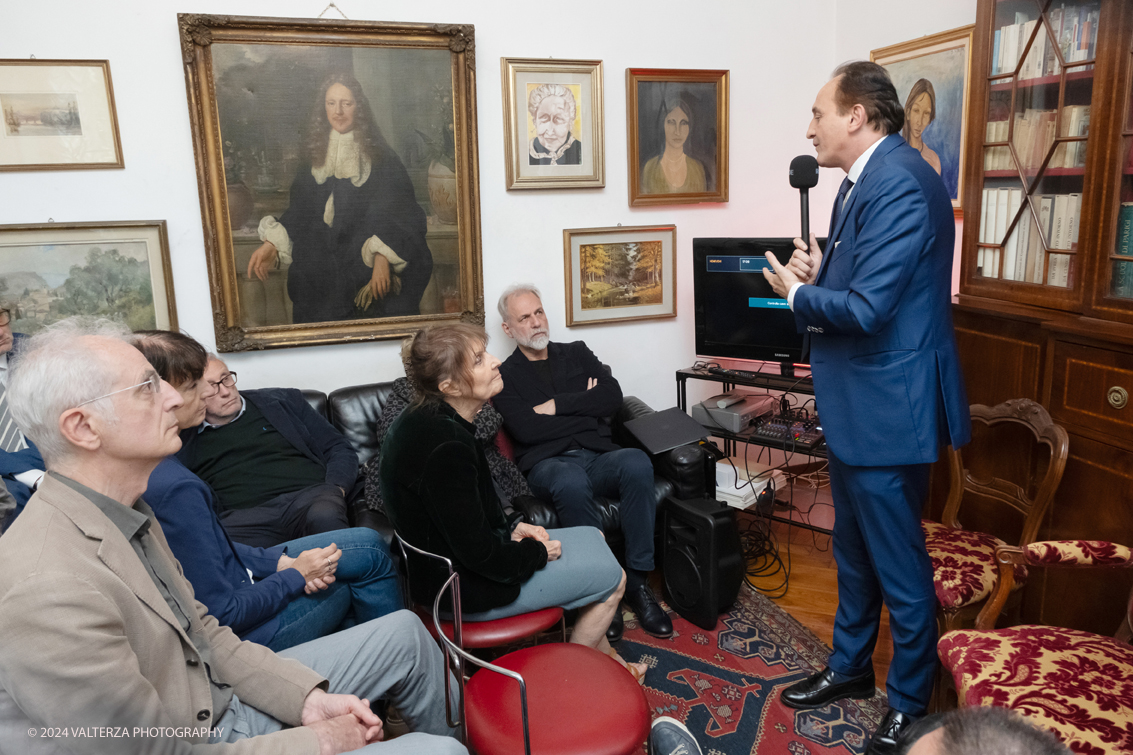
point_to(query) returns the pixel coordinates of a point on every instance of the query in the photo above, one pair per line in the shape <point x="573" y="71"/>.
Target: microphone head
<point x="804" y="172"/>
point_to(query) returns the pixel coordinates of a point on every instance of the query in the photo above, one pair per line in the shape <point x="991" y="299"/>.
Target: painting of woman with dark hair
<point x="920" y="112"/>
<point x="353" y="233"/>
<point x="674" y="171"/>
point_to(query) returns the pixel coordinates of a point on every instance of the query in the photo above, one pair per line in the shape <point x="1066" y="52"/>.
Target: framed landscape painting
<point x="553" y="132"/>
<point x="621" y="273"/>
<point x="337" y="169"/>
<point x="932" y="75"/>
<point x="677" y="124"/>
<point x="52" y="271"/>
<point x="58" y="115"/>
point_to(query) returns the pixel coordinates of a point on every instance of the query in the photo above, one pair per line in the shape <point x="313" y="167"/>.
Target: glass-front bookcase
<point x="1051" y="111"/>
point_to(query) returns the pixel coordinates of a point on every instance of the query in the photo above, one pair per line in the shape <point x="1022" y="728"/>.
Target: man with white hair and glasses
<point x="102" y="636"/>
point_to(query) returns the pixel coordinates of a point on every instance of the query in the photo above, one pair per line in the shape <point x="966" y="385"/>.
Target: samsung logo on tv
<point x="783" y="355"/>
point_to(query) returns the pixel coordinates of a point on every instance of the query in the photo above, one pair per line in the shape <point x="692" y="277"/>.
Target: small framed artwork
<point x="932" y="75"/>
<point x="51" y="271"/>
<point x="621" y="273"/>
<point x="58" y="115"/>
<point x="337" y="170"/>
<point x="553" y="123"/>
<point x="677" y="123"/>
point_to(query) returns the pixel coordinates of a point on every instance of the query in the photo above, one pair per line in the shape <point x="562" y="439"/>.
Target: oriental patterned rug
<point x="725" y="684"/>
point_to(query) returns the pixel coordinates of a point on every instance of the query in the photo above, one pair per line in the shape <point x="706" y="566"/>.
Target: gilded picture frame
<point x="944" y="61"/>
<point x="50" y="271"/>
<point x="58" y="115"/>
<point x="553" y="123"/>
<point x="338" y="176"/>
<point x="677" y="132"/>
<point x="620" y="273"/>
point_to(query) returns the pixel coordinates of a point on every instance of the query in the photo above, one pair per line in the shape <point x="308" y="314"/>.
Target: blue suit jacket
<point x="303" y="427"/>
<point x="14" y="462"/>
<point x="882" y="347"/>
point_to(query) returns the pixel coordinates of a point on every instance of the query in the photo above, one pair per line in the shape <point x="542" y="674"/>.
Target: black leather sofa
<point x="685" y="472"/>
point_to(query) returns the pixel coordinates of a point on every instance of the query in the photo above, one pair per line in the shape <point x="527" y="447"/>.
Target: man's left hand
<point x="782" y="279"/>
<point x="547" y="407"/>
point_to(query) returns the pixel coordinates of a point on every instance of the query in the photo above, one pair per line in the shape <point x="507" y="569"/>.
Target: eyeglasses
<point x="153" y="387"/>
<point x="5" y="317"/>
<point x="228" y="381"/>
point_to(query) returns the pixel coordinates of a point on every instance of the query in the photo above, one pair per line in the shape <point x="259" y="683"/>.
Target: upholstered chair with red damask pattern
<point x="1077" y="684"/>
<point x="1004" y="480"/>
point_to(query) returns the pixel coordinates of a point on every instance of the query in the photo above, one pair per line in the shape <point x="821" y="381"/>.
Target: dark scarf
<point x="509" y="481"/>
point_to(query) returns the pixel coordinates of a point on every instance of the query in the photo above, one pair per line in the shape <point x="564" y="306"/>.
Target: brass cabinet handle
<point x="1118" y="397"/>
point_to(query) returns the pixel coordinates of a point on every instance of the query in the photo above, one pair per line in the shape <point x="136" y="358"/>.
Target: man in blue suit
<point x="889" y="389"/>
<point x="21" y="466"/>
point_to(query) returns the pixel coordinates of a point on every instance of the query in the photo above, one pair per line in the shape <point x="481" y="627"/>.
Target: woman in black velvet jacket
<point x="438" y="492"/>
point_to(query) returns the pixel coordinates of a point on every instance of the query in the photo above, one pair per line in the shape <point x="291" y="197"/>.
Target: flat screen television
<point x="738" y="315"/>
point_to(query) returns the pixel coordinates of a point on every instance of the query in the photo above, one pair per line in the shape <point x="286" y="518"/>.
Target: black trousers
<point x="310" y="511"/>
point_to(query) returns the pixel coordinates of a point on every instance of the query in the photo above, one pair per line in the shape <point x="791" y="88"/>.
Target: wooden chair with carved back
<point x="1001" y="487"/>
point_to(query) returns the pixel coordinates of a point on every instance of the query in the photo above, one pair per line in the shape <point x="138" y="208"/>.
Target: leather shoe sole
<point x="650" y="617"/>
<point x="617" y="627"/>
<point x="819" y="690"/>
<point x="884" y="740"/>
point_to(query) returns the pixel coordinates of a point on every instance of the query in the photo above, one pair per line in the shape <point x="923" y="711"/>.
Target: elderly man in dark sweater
<point x="280" y="471"/>
<point x="555" y="399"/>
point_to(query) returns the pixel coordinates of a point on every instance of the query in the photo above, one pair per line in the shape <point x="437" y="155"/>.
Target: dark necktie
<point x="10" y="438"/>
<point x="843" y="190"/>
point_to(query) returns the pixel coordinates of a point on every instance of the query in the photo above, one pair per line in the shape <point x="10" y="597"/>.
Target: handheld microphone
<point x="804" y="175"/>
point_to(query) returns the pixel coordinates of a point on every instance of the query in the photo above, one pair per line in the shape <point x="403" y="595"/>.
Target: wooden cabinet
<point x="1045" y="309"/>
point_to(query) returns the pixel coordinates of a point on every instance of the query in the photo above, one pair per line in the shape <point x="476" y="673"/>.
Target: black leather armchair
<point x="684" y="472"/>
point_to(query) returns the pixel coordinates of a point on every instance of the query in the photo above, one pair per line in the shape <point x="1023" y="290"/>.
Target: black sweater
<point x="581" y="415"/>
<point x="438" y="492"/>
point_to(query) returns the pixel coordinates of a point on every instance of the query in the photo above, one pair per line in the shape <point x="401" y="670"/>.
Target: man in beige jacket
<point x="103" y="648"/>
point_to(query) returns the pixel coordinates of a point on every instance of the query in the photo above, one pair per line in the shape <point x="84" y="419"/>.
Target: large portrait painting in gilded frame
<point x="932" y="76"/>
<point x="618" y="274"/>
<point x="120" y="270"/>
<point x="337" y="168"/>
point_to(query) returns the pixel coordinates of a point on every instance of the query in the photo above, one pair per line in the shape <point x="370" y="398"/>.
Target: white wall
<point x="779" y="54"/>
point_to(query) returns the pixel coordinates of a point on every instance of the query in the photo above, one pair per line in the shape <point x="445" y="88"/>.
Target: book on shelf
<point x="1073" y="213"/>
<point x="1011" y="245"/>
<point x="1121" y="284"/>
<point x="1059" y="272"/>
<point x="1035" y="252"/>
<point x="984" y="198"/>
<point x="1125" y="230"/>
<point x="1001" y="208"/>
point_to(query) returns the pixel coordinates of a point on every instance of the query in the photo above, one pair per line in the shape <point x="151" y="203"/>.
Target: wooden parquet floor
<point x="812" y="589"/>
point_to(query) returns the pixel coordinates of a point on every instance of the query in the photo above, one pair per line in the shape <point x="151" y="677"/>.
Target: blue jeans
<point x="365" y="588"/>
<point x="573" y="480"/>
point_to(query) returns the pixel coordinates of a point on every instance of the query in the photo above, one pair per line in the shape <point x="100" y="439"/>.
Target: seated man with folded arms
<point x="280" y="470"/>
<point x="21" y="466"/>
<point x="101" y="631"/>
<point x="347" y="575"/>
<point x="555" y="400"/>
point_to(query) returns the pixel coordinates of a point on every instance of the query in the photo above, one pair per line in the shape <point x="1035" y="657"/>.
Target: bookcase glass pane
<point x="1040" y="62"/>
<point x="1002" y="200"/>
<point x="1074" y="27"/>
<point x="1014" y="25"/>
<point x="1034" y="125"/>
<point x="998" y="159"/>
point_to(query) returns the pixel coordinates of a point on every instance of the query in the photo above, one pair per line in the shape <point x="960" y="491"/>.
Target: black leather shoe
<point x="649" y="615"/>
<point x="884" y="740"/>
<point x="616" y="628"/>
<point x="819" y="690"/>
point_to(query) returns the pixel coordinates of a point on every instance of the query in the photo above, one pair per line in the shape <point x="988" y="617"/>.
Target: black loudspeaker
<point x="702" y="559"/>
